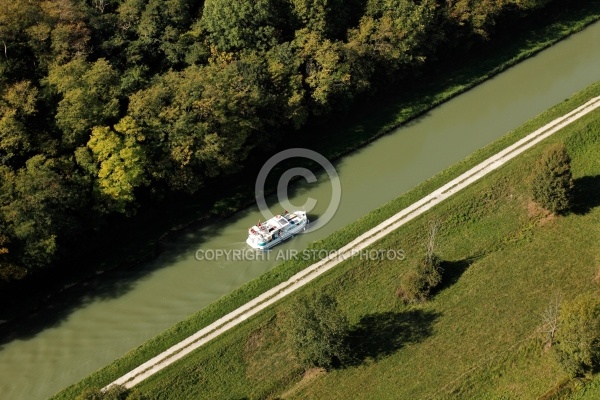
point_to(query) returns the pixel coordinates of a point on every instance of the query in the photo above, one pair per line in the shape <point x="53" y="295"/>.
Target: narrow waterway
<point x="177" y="284"/>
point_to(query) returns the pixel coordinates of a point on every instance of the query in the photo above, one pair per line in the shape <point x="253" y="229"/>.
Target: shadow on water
<point x="52" y="302"/>
<point x="586" y="194"/>
<point x="381" y="334"/>
<point x="54" y="307"/>
<point x="58" y="307"/>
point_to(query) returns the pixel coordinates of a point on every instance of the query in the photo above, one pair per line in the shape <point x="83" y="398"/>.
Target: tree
<point x="233" y="25"/>
<point x="327" y="18"/>
<point x="430" y="255"/>
<point x="15" y="17"/>
<point x="17" y="105"/>
<point x="327" y="70"/>
<point x="120" y="162"/>
<point x="552" y="181"/>
<point x="416" y="285"/>
<point x="578" y="336"/>
<point x="37" y="204"/>
<point x="480" y="17"/>
<point x="34" y="34"/>
<point x="550" y="321"/>
<point x="313" y="14"/>
<point x="157" y="29"/>
<point x="397" y="34"/>
<point x="91" y="394"/>
<point x="284" y="70"/>
<point x="89" y="97"/>
<point x="8" y="269"/>
<point x="317" y="331"/>
<point x="202" y="122"/>
<point x="69" y="36"/>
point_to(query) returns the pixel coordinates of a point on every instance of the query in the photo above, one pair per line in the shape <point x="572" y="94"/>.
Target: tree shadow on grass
<point x="379" y="335"/>
<point x="452" y="271"/>
<point x="586" y="194"/>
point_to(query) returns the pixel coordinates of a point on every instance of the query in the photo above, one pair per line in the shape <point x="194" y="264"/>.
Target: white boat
<point x="265" y="235"/>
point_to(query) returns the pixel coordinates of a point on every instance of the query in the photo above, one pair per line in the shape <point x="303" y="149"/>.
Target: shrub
<point x="552" y="181"/>
<point x="416" y="285"/>
<point x="116" y="392"/>
<point x="317" y="331"/>
<point x="91" y="394"/>
<point x="578" y="335"/>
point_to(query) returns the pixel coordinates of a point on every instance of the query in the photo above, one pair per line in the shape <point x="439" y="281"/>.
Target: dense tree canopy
<point x="106" y="102"/>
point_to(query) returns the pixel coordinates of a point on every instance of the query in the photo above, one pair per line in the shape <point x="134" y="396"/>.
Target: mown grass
<point x="529" y="45"/>
<point x="505" y="261"/>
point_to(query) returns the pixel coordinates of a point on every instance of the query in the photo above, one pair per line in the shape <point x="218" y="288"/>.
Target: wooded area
<point x="105" y="104"/>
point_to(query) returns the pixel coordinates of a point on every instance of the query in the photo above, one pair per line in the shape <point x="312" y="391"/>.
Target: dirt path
<point x="303" y="277"/>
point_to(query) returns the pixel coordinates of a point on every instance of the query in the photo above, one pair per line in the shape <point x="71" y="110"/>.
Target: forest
<point x="108" y="104"/>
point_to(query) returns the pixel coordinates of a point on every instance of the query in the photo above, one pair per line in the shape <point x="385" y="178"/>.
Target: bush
<point x="91" y="394"/>
<point x="552" y="181"/>
<point x="116" y="392"/>
<point x="317" y="331"/>
<point x="416" y="285"/>
<point x="578" y="335"/>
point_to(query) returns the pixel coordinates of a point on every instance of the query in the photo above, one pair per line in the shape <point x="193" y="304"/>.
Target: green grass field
<point x="505" y="262"/>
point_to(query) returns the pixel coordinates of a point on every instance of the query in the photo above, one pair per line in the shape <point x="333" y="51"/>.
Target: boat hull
<point x="277" y="238"/>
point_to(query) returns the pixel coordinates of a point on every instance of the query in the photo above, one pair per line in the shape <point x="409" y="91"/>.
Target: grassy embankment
<point x="505" y="261"/>
<point x="379" y="124"/>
